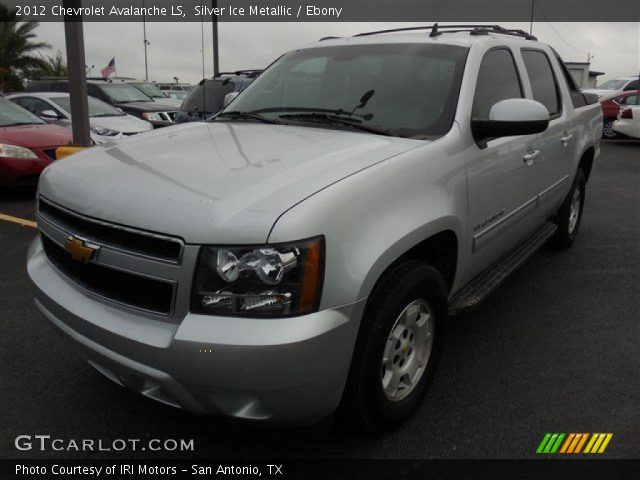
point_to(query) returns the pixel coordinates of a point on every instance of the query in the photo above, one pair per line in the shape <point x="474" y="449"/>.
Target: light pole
<point x="531" y="20"/>
<point x="214" y="28"/>
<point x="146" y="43"/>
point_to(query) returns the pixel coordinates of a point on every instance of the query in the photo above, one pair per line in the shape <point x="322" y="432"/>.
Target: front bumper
<point x="288" y="370"/>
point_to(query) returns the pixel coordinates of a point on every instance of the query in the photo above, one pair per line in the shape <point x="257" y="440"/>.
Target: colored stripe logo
<point x="574" y="443"/>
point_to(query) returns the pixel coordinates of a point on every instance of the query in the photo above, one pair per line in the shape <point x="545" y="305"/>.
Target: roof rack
<point x="329" y="38"/>
<point x="249" y="73"/>
<point x="474" y="29"/>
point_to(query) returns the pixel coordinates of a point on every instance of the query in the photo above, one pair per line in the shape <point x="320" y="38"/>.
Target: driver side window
<point x="498" y="80"/>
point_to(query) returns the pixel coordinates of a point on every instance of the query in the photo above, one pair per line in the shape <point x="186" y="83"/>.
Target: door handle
<point x="566" y="138"/>
<point x="530" y="157"/>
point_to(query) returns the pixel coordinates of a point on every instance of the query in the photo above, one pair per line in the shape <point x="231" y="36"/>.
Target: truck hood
<point x="122" y="123"/>
<point x="212" y="182"/>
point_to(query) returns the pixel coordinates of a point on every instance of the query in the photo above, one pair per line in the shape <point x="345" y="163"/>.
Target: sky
<point x="175" y="48"/>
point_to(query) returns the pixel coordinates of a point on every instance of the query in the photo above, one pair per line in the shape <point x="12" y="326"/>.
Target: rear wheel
<point x="569" y="215"/>
<point x="607" y="129"/>
<point x="398" y="347"/>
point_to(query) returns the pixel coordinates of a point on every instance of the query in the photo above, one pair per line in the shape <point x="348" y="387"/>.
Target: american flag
<point x="110" y="68"/>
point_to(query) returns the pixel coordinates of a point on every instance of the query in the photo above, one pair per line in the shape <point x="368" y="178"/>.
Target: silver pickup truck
<point x="302" y="251"/>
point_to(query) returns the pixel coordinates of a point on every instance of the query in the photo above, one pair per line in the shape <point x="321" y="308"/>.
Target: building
<point x="584" y="77"/>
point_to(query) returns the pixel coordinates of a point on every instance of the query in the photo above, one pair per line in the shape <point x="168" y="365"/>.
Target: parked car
<point x="118" y="94"/>
<point x="27" y="145"/>
<point x="612" y="87"/>
<point x="179" y="95"/>
<point x="303" y="249"/>
<point x="208" y="97"/>
<point x="628" y="122"/>
<point x="612" y="106"/>
<point x="185" y="87"/>
<point x="153" y="92"/>
<point x="107" y="122"/>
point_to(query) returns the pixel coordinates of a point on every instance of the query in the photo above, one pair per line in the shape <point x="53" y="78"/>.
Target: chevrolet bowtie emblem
<point x="80" y="250"/>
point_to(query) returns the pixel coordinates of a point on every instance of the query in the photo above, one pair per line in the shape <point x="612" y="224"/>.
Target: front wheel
<point x="398" y="347"/>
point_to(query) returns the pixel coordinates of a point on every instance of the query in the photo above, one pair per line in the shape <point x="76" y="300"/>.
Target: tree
<point x="18" y="50"/>
<point x="55" y="66"/>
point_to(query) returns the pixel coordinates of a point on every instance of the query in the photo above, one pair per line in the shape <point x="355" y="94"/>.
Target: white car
<point x="628" y="122"/>
<point x="107" y="122"/>
<point x="611" y="88"/>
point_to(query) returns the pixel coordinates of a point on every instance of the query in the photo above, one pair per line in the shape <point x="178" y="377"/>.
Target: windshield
<point x="613" y="85"/>
<point x="176" y="94"/>
<point x="410" y="90"/>
<point x="149" y="89"/>
<point x="208" y="97"/>
<point x="97" y="108"/>
<point x="12" y="114"/>
<point x="122" y="93"/>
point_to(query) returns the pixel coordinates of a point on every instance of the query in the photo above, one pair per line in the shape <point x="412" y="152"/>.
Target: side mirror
<point x="228" y="98"/>
<point x="49" y="115"/>
<point x="511" y="117"/>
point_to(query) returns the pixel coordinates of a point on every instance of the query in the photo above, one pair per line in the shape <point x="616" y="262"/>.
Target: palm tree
<point x="55" y="66"/>
<point x="18" y="56"/>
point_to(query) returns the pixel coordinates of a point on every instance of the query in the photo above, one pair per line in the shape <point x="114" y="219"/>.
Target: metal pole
<point x="74" y="39"/>
<point x="214" y="28"/>
<point x="144" y="33"/>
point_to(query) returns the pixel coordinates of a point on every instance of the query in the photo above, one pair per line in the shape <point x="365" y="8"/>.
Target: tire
<point x="607" y="129"/>
<point x="365" y="402"/>
<point x="568" y="225"/>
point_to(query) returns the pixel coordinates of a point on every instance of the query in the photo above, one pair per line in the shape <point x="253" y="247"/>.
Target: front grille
<point x="122" y="287"/>
<point x="135" y="242"/>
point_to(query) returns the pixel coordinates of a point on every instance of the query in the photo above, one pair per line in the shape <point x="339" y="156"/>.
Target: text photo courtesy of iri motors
<point x="320" y="240"/>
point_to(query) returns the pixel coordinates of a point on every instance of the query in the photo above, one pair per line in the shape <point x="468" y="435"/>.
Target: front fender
<point x="374" y="216"/>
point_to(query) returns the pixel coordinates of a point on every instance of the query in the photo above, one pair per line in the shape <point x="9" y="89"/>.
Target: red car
<point x="610" y="108"/>
<point x="27" y="145"/>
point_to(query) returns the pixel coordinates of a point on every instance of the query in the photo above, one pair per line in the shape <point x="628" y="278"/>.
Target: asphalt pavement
<point x="555" y="349"/>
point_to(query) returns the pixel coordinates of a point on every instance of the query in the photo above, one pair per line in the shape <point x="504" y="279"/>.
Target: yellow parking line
<point x="19" y="221"/>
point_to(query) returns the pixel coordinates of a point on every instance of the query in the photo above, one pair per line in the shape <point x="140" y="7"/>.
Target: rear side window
<point x="543" y="81"/>
<point x="634" y="85"/>
<point x="630" y="100"/>
<point x="497" y="80"/>
<point x="574" y="92"/>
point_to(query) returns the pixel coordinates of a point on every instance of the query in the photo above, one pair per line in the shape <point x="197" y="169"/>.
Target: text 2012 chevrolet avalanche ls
<point x="302" y="250"/>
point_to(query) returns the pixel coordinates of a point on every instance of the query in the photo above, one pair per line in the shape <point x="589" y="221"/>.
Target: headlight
<point x="269" y="281"/>
<point x="106" y="132"/>
<point x="152" y="116"/>
<point x="14" y="151"/>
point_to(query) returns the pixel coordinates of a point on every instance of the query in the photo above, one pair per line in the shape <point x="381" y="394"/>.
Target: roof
<point x="462" y="39"/>
<point x="41" y="94"/>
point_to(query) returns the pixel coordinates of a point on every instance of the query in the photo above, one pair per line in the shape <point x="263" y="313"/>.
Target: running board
<point x="474" y="292"/>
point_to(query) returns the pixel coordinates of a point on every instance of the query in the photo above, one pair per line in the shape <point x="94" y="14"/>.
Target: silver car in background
<point x="106" y="122"/>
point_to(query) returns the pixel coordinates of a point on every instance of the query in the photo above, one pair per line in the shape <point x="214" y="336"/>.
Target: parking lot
<point x="555" y="349"/>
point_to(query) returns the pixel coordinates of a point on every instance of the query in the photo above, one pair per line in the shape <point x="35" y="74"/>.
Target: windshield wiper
<point x="321" y="117"/>
<point x="248" y="115"/>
